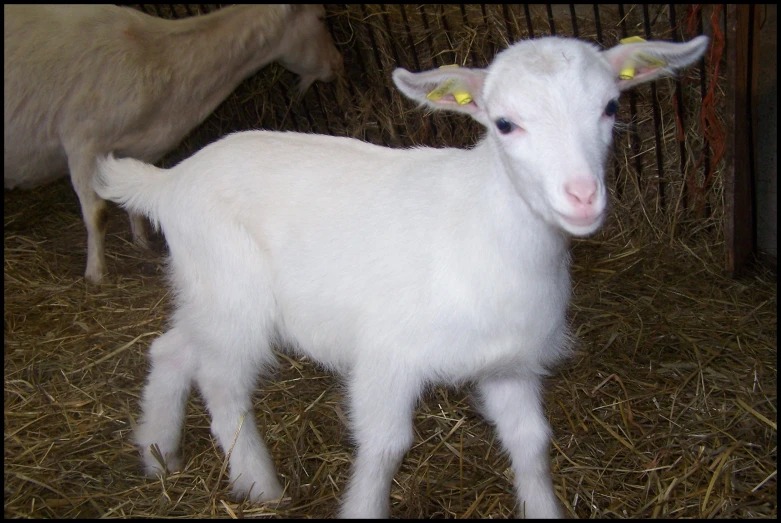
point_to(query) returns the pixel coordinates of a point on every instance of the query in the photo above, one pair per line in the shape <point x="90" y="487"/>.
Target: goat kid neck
<point x="518" y="229"/>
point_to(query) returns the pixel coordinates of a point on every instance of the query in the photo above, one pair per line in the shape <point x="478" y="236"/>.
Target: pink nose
<point x="581" y="192"/>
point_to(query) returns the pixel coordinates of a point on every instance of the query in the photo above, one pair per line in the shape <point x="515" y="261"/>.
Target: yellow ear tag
<point x="450" y="87"/>
<point x="632" y="40"/>
<point x="628" y="69"/>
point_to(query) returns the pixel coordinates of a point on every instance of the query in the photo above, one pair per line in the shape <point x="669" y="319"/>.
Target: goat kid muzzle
<point x="583" y="205"/>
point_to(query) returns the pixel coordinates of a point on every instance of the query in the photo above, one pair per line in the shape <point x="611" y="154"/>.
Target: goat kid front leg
<point x="382" y="404"/>
<point x="165" y="399"/>
<point x="514" y="405"/>
<point x="94" y="213"/>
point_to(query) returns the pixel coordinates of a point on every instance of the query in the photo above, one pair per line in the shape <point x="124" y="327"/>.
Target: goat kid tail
<point x="137" y="186"/>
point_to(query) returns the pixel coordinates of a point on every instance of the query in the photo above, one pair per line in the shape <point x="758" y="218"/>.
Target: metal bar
<point x="634" y="135"/>
<point x="432" y="128"/>
<point x="657" y="124"/>
<point x="680" y="115"/>
<point x="380" y="68"/>
<point x="529" y="25"/>
<point x="472" y="56"/>
<point x="488" y="29"/>
<point x="506" y="12"/>
<point x="551" y="23"/>
<point x="574" y="17"/>
<point x="598" y="23"/>
<point x="434" y="58"/>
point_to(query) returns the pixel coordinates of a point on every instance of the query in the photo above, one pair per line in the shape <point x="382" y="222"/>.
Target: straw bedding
<point x="667" y="407"/>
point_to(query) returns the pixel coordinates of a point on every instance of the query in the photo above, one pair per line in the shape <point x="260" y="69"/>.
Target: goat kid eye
<point x="505" y="126"/>
<point x="611" y="109"/>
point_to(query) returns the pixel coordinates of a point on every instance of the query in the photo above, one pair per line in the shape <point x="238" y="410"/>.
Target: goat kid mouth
<point x="581" y="222"/>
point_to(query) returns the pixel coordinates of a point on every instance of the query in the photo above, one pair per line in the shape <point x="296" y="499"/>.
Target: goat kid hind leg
<point x="514" y="405"/>
<point x="227" y="381"/>
<point x="164" y="401"/>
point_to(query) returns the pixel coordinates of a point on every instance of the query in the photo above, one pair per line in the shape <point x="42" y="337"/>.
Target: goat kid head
<point x="549" y="105"/>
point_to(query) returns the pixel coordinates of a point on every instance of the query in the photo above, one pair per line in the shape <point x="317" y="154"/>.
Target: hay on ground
<point x="667" y="408"/>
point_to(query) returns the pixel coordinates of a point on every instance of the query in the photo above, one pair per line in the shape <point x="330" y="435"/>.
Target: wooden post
<point x="742" y="51"/>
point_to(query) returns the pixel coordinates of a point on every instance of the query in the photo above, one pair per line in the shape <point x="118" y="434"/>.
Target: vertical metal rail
<point x="362" y="66"/>
<point x="660" y="199"/>
<point x="397" y="138"/>
<point x="435" y="61"/>
<point x="446" y="26"/>
<point x="573" y="15"/>
<point x="472" y="57"/>
<point x="634" y="135"/>
<point x="598" y="23"/>
<point x="680" y="116"/>
<point x="506" y="13"/>
<point x="528" y="20"/>
<point x="551" y="23"/>
<point x="410" y="40"/>
<point x="432" y="127"/>
<point x="491" y="45"/>
<point x="391" y="40"/>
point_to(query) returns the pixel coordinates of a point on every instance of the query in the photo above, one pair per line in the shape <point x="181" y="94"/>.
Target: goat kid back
<point x="397" y="268"/>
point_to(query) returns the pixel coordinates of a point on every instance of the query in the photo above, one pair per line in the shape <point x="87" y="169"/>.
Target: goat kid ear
<point x="451" y="88"/>
<point x="636" y="63"/>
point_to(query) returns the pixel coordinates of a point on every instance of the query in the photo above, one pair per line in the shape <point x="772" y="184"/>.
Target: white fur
<point x="83" y="81"/>
<point x="396" y="268"/>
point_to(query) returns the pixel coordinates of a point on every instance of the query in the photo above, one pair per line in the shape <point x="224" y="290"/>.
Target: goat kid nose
<point x="581" y="192"/>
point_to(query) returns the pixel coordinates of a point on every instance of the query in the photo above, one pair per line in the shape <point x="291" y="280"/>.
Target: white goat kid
<point x="82" y="81"/>
<point x="397" y="268"/>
